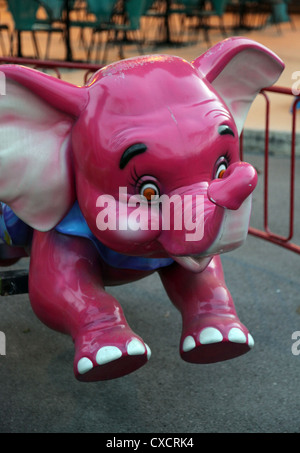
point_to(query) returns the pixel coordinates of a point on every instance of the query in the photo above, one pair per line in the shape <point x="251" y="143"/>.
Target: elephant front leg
<point x="67" y="294"/>
<point x="212" y="331"/>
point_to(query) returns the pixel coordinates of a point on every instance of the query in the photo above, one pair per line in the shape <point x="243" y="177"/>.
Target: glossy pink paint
<point x="188" y="117"/>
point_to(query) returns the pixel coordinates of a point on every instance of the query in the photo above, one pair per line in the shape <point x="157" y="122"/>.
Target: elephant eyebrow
<point x="224" y="129"/>
<point x="130" y="152"/>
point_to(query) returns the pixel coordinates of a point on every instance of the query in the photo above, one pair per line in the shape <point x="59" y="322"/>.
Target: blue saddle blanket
<point x="15" y="232"/>
<point x="74" y="224"/>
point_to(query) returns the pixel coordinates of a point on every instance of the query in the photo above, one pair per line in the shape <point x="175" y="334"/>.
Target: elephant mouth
<point x="232" y="234"/>
<point x="234" y="229"/>
<point x="193" y="263"/>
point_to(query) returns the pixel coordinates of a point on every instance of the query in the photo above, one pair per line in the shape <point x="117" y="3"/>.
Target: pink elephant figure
<point x="137" y="171"/>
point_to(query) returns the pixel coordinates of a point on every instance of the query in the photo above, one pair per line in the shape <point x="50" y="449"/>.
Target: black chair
<point x="121" y="27"/>
<point x="103" y="13"/>
<point x="213" y="8"/>
<point x="196" y="14"/>
<point x="53" y="22"/>
<point x="82" y="18"/>
<point x="4" y="27"/>
<point x="278" y="13"/>
<point x="24" y="16"/>
<point x="156" y="25"/>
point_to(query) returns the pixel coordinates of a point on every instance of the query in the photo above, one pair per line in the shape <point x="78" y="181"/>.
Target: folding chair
<point x="52" y="24"/>
<point x="120" y="26"/>
<point x="25" y="20"/>
<point x="24" y="16"/>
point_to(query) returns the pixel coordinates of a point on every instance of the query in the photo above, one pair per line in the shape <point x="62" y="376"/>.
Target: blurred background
<point x="103" y="31"/>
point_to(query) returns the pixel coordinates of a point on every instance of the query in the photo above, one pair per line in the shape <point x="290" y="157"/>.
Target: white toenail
<point x="188" y="344"/>
<point x="84" y="365"/>
<point x="235" y="335"/>
<point x="148" y="351"/>
<point x="108" y="354"/>
<point x="210" y="335"/>
<point x="135" y="347"/>
<point x="250" y="341"/>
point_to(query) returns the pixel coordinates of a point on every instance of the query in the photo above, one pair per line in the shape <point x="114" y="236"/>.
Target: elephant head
<point x="149" y="148"/>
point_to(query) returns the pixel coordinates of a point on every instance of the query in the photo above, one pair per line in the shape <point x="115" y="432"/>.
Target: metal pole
<point x="69" y="56"/>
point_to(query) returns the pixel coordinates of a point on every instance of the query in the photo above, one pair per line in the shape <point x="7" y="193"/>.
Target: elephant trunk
<point x="237" y="184"/>
<point x="223" y="219"/>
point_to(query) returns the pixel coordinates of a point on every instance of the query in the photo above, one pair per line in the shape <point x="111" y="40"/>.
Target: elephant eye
<point x="150" y="191"/>
<point x="221" y="170"/>
<point x="221" y="167"/>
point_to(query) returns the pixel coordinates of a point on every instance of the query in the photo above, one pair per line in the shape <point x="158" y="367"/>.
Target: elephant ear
<point x="36" y="117"/>
<point x="238" y="68"/>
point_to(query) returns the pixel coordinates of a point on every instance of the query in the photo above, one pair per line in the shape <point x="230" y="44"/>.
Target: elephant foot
<point x="100" y="357"/>
<point x="215" y="339"/>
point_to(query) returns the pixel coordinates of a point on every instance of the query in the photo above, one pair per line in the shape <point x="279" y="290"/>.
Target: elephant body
<point x="136" y="172"/>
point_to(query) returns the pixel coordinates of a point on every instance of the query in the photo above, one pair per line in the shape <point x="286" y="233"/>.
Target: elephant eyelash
<point x="227" y="157"/>
<point x="135" y="177"/>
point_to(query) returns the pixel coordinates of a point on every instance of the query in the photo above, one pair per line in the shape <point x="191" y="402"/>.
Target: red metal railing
<point x="52" y="64"/>
<point x="266" y="234"/>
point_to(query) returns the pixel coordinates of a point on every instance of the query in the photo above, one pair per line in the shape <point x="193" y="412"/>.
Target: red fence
<point x="266" y="233"/>
<point x="53" y="65"/>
